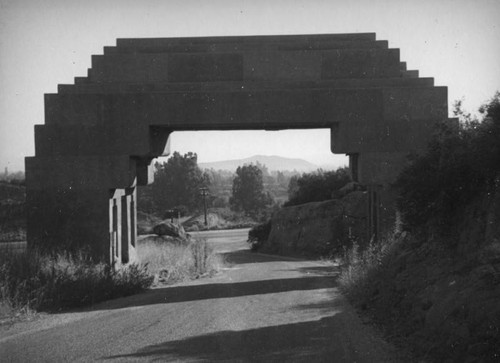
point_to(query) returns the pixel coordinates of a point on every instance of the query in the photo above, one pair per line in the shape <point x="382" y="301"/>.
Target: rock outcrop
<point x="319" y="228"/>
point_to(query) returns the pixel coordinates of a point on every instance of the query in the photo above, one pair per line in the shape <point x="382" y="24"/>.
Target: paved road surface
<point x="261" y="308"/>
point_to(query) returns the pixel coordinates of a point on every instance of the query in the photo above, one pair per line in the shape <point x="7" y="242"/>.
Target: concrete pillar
<point x="133" y="218"/>
<point x="122" y="234"/>
<point x="353" y="166"/>
<point x="115" y="227"/>
<point x="69" y="219"/>
<point x="128" y="228"/>
<point x="81" y="188"/>
<point x="126" y="232"/>
<point x="72" y="206"/>
<point x="373" y="212"/>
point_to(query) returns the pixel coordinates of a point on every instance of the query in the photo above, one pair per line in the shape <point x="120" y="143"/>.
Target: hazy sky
<point x="46" y="43"/>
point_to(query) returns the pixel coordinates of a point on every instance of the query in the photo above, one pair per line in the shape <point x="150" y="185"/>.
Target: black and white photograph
<point x="250" y="181"/>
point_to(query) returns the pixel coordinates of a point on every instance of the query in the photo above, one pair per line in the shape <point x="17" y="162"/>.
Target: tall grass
<point x="360" y="266"/>
<point x="179" y="260"/>
<point x="32" y="281"/>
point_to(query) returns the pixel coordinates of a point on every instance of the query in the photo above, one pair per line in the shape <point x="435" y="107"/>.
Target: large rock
<point x="166" y="228"/>
<point x="320" y="227"/>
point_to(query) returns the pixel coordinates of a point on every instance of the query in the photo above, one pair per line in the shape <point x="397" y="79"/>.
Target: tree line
<point x="179" y="181"/>
<point x="251" y="189"/>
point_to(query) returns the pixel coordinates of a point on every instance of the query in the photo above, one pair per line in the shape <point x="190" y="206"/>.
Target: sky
<point x="46" y="43"/>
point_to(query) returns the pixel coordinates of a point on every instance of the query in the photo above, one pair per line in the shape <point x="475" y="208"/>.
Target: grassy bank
<point x="31" y="281"/>
<point x="441" y="304"/>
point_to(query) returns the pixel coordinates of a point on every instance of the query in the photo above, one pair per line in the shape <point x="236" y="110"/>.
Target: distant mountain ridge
<point x="271" y="162"/>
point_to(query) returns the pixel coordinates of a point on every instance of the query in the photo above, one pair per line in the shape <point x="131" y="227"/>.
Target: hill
<point x="271" y="162"/>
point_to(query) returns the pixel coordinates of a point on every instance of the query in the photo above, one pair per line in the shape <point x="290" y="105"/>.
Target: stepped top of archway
<point x="225" y="62"/>
<point x="124" y="42"/>
<point x="139" y="90"/>
<point x="247" y="43"/>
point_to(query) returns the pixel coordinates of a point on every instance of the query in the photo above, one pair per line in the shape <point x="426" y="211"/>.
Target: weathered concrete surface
<point x="101" y="133"/>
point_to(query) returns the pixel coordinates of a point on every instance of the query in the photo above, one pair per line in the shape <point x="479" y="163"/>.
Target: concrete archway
<point x="101" y="133"/>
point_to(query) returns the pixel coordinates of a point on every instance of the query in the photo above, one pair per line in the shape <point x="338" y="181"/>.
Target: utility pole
<point x="204" y="193"/>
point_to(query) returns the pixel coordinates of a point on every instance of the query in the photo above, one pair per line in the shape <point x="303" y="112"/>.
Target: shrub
<point x="220" y="202"/>
<point x="258" y="235"/>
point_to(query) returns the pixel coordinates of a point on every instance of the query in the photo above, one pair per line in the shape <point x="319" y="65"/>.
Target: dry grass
<point x="172" y="261"/>
<point x="359" y="266"/>
<point x="31" y="281"/>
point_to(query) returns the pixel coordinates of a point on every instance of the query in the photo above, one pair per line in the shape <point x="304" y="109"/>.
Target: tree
<point x="281" y="179"/>
<point x="317" y="186"/>
<point x="177" y="184"/>
<point x="293" y="186"/>
<point x="462" y="161"/>
<point x="248" y="190"/>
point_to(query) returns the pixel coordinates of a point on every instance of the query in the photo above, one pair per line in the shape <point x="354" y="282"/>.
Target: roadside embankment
<point x="439" y="299"/>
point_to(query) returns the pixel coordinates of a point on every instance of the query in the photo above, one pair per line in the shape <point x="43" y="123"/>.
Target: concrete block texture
<point x="102" y="133"/>
<point x="112" y="138"/>
<point x="304" y="65"/>
<point x="80" y="172"/>
<point x="97" y="221"/>
<point x="64" y="218"/>
<point x="243" y="110"/>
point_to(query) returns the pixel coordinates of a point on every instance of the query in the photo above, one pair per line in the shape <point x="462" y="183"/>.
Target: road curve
<point x="260" y="308"/>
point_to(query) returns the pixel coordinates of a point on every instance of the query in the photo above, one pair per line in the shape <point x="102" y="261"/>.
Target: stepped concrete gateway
<point x="102" y="132"/>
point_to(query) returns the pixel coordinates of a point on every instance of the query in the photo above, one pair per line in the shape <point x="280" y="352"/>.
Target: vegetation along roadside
<point x="434" y="285"/>
<point x="31" y="281"/>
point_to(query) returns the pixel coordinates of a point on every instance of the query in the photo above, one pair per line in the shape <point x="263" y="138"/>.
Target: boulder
<point x="166" y="228"/>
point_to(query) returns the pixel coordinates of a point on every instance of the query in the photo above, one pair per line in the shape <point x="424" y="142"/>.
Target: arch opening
<point x="311" y="145"/>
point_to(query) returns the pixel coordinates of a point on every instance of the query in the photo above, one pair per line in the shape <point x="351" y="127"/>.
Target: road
<point x="260" y="308"/>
